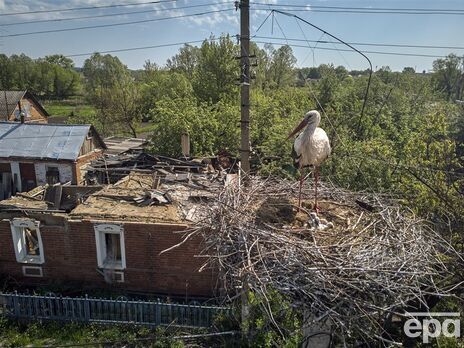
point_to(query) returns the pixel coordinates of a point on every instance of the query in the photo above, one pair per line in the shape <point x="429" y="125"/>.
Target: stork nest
<point x="362" y="258"/>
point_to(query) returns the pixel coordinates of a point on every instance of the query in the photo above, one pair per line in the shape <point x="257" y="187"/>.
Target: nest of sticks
<point x="363" y="257"/>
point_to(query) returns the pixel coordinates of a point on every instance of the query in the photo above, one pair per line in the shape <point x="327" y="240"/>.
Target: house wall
<point x="73" y="171"/>
<point x="71" y="256"/>
<point x="65" y="169"/>
<point x="34" y="114"/>
<point x="79" y="167"/>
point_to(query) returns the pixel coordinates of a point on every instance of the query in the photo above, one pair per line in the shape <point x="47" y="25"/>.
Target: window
<point x="110" y="246"/>
<point x="52" y="175"/>
<point x="27" y="241"/>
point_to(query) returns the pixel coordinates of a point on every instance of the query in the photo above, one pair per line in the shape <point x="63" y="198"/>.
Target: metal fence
<point x="96" y="310"/>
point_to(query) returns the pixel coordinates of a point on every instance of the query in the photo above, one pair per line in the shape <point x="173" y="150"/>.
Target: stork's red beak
<point x="298" y="128"/>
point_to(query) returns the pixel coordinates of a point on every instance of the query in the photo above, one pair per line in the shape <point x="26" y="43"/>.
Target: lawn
<point x="74" y="106"/>
<point x="15" y="334"/>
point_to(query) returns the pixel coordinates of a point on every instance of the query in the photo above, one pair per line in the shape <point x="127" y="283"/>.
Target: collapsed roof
<point x="153" y="189"/>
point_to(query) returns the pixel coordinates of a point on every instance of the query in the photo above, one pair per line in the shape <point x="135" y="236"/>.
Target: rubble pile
<point x="111" y="168"/>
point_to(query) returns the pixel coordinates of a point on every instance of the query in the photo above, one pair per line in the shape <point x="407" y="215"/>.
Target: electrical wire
<point x="112" y="14"/>
<point x="346" y="50"/>
<point x="365" y="44"/>
<point x="114" y="24"/>
<point x="373" y="12"/>
<point x="339" y="9"/>
<point x="368" y="183"/>
<point x="397" y="164"/>
<point x="346" y="44"/>
<point x="358" y="8"/>
<point x="85" y="8"/>
<point x="140" y="48"/>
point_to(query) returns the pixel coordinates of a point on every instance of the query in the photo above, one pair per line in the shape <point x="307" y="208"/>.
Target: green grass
<point x="14" y="334"/>
<point x="68" y="108"/>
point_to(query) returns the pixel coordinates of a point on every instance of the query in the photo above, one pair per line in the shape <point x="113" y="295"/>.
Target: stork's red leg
<point x="301" y="185"/>
<point x="316" y="180"/>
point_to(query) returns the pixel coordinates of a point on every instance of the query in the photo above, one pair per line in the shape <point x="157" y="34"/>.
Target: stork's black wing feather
<point x="296" y="158"/>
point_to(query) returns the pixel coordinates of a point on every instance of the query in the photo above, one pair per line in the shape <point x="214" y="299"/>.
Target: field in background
<point x="60" y="110"/>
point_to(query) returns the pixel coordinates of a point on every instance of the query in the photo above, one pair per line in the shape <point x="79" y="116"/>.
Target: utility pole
<point x="244" y="6"/>
<point x="245" y="85"/>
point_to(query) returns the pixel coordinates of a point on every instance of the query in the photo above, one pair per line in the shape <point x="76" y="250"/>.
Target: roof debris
<point x="142" y="187"/>
<point x="119" y="145"/>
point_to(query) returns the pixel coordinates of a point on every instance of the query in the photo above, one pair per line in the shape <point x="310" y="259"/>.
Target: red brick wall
<point x="70" y="255"/>
<point x="82" y="161"/>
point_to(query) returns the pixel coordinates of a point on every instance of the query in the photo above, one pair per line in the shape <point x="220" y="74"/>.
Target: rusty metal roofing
<point x="42" y="141"/>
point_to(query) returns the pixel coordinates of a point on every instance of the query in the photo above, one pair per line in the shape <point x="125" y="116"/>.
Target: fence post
<point x="87" y="308"/>
<point x="158" y="312"/>
<point x="15" y="304"/>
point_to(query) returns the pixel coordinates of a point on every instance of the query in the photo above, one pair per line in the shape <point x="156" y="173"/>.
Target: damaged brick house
<point x="109" y="235"/>
<point x="33" y="154"/>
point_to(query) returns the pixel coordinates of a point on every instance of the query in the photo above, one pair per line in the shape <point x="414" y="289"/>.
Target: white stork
<point x="310" y="149"/>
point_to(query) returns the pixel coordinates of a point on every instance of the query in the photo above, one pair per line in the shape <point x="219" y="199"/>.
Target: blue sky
<point x="437" y="30"/>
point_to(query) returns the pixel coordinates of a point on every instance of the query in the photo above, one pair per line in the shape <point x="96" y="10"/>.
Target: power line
<point x="394" y="165"/>
<point x="114" y="24"/>
<point x="346" y="50"/>
<point x="365" y="44"/>
<point x="85" y="8"/>
<point x="359" y="8"/>
<point x="339" y="9"/>
<point x="140" y="48"/>
<point x="112" y="14"/>
<point x="374" y="12"/>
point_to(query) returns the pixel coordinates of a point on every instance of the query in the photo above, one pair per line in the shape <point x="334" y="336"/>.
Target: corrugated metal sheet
<point x="118" y="145"/>
<point x="42" y="141"/>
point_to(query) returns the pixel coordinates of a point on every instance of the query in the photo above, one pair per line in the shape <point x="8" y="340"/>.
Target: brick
<point x="71" y="256"/>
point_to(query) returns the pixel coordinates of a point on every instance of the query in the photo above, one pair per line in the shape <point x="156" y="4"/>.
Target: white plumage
<point x="311" y="147"/>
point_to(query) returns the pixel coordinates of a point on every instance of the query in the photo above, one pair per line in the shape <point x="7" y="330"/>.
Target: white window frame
<point x="19" y="241"/>
<point x="120" y="275"/>
<point x="26" y="268"/>
<point x="100" y="231"/>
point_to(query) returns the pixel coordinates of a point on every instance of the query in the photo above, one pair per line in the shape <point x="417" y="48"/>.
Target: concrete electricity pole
<point x="245" y="84"/>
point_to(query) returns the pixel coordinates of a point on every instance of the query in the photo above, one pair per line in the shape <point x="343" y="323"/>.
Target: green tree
<point x="113" y="91"/>
<point x="282" y="67"/>
<point x="60" y="60"/>
<point x="186" y="61"/>
<point x="448" y="76"/>
<point x="216" y="73"/>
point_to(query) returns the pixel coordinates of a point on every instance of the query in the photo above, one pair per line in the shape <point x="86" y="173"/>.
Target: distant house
<point x="12" y="101"/>
<point x="34" y="154"/>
